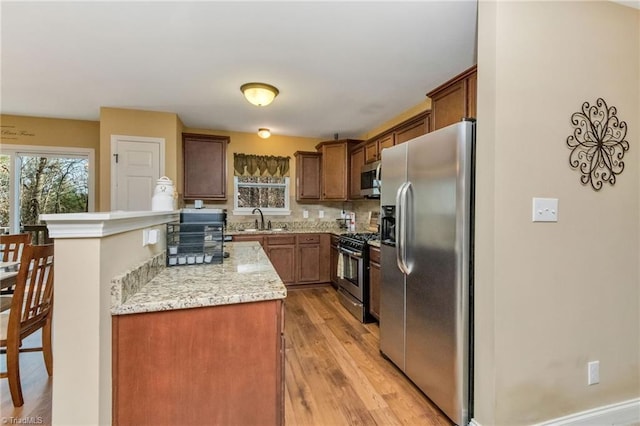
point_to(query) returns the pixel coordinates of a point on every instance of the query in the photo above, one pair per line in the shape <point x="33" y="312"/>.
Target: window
<point x="270" y="194"/>
<point x="40" y="180"/>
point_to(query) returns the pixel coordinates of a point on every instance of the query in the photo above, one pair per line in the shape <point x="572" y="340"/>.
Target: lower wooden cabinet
<point x="333" y="260"/>
<point x="298" y="258"/>
<point x="281" y="250"/>
<point x="213" y="365"/>
<point x="374" y="282"/>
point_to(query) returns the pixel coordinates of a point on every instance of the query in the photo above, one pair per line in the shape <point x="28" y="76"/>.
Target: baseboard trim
<point x="620" y="414"/>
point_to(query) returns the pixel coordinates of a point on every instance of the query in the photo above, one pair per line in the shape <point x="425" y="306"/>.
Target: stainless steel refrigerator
<point x="426" y="264"/>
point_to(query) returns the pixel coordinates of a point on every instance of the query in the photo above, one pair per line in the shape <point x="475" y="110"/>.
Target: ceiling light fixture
<point x="264" y="133"/>
<point x="260" y="94"/>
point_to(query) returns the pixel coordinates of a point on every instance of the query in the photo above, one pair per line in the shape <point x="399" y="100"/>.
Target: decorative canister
<point x="163" y="198"/>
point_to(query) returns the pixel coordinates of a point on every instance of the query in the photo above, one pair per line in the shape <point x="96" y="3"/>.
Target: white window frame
<point x="14" y="151"/>
<point x="245" y="211"/>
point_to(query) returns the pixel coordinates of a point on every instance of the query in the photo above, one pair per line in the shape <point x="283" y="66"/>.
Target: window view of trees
<point x="47" y="185"/>
<point x="4" y="190"/>
<point x="262" y="191"/>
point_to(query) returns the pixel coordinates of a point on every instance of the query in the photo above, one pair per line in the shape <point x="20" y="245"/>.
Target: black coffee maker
<point x="388" y="225"/>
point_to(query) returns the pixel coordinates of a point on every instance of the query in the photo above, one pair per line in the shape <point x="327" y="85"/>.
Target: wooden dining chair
<point x="31" y="310"/>
<point x="11" y="247"/>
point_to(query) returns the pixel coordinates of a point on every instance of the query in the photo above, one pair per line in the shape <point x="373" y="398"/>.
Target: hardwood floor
<point x="36" y="388"/>
<point x="334" y="373"/>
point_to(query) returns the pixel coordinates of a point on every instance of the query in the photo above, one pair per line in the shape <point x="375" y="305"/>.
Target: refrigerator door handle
<point x="407" y="236"/>
<point x="401" y="216"/>
<point x="399" y="225"/>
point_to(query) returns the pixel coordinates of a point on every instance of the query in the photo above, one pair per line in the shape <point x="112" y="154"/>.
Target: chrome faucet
<point x="261" y="217"/>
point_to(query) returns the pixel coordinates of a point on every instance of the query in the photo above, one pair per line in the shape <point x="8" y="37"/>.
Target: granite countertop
<point x="285" y="231"/>
<point x="246" y="275"/>
<point x="294" y="231"/>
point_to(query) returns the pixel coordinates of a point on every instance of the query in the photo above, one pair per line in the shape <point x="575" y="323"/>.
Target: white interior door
<point x="136" y="164"/>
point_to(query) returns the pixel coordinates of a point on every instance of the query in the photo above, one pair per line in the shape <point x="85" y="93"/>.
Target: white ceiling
<point x="341" y="67"/>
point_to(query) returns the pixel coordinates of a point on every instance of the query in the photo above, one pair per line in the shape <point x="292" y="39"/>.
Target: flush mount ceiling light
<point x="260" y="94"/>
<point x="264" y="133"/>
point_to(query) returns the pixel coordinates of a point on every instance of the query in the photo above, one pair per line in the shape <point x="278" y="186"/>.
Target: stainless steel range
<point x="353" y="273"/>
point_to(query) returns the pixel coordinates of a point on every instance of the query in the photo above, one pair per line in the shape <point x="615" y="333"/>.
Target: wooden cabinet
<point x="227" y="369"/>
<point x="308" y="175"/>
<point x="312" y="258"/>
<point x="335" y="169"/>
<point x="333" y="260"/>
<point x="205" y="166"/>
<point x="356" y="161"/>
<point x="281" y="250"/>
<point x="374" y="282"/>
<point x="308" y="259"/>
<point x="299" y="259"/>
<point x="374" y="147"/>
<point x="454" y="100"/>
<point x="412" y="128"/>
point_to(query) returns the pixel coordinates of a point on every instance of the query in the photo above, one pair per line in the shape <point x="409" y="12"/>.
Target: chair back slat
<point x="11" y="246"/>
<point x="34" y="288"/>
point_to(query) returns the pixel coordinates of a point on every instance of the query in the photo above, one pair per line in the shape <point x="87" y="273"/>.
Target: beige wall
<point x="58" y="132"/>
<point x="552" y="296"/>
<point x="119" y="121"/>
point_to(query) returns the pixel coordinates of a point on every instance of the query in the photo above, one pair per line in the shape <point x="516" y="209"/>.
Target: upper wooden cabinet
<point x="356" y="161"/>
<point x="412" y="128"/>
<point x="335" y="168"/>
<point x="205" y="166"/>
<point x="374" y="146"/>
<point x="454" y="100"/>
<point x="308" y="167"/>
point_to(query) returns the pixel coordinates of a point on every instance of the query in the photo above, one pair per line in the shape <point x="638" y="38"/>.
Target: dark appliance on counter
<point x="370" y="176"/>
<point x="203" y="216"/>
<point x="426" y="287"/>
<point x="193" y="222"/>
<point x="353" y="273"/>
<point x="197" y="238"/>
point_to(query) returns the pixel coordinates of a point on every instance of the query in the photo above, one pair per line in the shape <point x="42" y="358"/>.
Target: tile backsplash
<point x="296" y="220"/>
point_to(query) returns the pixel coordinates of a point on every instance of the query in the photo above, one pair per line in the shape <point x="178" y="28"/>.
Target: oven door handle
<point x="349" y="252"/>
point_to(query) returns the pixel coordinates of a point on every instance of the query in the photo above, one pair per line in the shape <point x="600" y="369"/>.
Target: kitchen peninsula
<point x="202" y="344"/>
<point x="92" y="251"/>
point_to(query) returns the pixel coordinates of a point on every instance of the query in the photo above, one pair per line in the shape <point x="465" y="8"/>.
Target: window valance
<point x="260" y="165"/>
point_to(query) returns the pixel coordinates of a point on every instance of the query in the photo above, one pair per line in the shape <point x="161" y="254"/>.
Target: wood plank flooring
<point x="334" y="373"/>
<point x="36" y="388"/>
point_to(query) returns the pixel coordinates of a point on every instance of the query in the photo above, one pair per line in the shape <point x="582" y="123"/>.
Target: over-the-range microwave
<point x="370" y="176"/>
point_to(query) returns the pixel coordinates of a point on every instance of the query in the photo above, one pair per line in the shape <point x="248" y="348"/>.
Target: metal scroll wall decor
<point x="597" y="144"/>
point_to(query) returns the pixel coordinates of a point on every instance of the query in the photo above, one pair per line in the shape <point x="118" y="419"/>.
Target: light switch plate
<point x="545" y="210"/>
